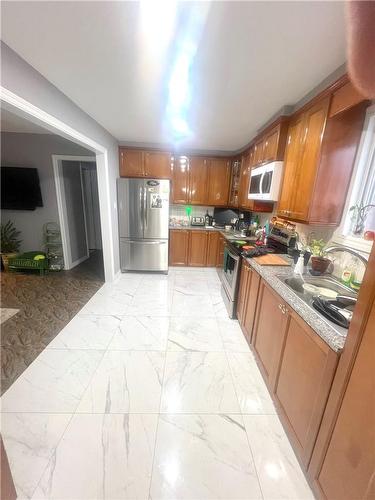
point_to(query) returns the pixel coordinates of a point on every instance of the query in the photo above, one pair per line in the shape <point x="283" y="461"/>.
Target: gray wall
<point x="36" y="150"/>
<point x="22" y="79"/>
<point x="74" y="209"/>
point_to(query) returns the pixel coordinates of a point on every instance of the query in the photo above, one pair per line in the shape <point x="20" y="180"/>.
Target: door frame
<point x="61" y="207"/>
<point x="25" y="109"/>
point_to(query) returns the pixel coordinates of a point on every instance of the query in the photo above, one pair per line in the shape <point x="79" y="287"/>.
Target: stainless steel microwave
<point x="265" y="182"/>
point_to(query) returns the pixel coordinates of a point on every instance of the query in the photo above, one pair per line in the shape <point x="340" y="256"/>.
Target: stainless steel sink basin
<point x="296" y="283"/>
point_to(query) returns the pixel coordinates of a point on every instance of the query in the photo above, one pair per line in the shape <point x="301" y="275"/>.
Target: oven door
<point x="230" y="272"/>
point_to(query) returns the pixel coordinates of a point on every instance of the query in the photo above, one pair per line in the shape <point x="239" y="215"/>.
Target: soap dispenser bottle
<point x="299" y="267"/>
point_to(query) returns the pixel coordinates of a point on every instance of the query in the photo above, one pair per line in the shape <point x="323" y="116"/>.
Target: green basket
<point x="26" y="261"/>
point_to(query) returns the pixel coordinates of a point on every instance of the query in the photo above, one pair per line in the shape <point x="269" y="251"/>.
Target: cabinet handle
<point x="283" y="309"/>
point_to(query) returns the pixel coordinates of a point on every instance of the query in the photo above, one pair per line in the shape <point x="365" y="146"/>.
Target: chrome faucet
<point x="347" y="250"/>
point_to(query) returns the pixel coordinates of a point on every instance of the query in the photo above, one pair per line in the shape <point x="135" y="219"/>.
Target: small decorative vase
<point x="320" y="264"/>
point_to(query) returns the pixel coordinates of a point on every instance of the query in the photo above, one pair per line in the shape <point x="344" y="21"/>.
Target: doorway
<point x="78" y="207"/>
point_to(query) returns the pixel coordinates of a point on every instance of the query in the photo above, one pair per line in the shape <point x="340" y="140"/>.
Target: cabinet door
<point x="348" y="468"/>
<point x="218" y="182"/>
<point x="271" y="142"/>
<point x="220" y="251"/>
<point x="198" y="178"/>
<point x="212" y="248"/>
<point x="258" y="152"/>
<point x="180" y="180"/>
<point x="178" y="247"/>
<point x="157" y="165"/>
<point x="269" y="332"/>
<point x="315" y="120"/>
<point x="251" y="303"/>
<point x="305" y="377"/>
<point x="291" y="164"/>
<point x="131" y="163"/>
<point x="242" y="291"/>
<point x="244" y="178"/>
<point x="197" y="248"/>
<point x="235" y="183"/>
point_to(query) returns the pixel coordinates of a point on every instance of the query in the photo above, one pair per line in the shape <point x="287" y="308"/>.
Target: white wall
<point x="35" y="150"/>
<point x="23" y="80"/>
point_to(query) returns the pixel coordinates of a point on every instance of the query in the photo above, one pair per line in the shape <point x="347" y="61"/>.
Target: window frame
<point x="356" y="190"/>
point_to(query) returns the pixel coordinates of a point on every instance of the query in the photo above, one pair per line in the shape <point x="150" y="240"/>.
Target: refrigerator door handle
<point x="143" y="242"/>
<point x="145" y="205"/>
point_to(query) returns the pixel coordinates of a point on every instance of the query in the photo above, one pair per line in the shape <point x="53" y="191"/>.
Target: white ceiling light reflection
<point x="180" y="82"/>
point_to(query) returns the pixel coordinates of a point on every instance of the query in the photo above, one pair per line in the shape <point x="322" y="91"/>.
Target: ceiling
<point x="14" y="123"/>
<point x="205" y="75"/>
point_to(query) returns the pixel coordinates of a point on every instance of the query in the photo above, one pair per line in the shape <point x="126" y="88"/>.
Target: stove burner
<point x="331" y="311"/>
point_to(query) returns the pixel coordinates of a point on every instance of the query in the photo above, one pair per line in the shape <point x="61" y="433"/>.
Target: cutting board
<point x="271" y="260"/>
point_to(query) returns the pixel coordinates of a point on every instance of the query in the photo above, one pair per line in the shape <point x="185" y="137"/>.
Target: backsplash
<point x="178" y="215"/>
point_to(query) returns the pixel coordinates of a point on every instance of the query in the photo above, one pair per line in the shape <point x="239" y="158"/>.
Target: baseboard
<point x="79" y="261"/>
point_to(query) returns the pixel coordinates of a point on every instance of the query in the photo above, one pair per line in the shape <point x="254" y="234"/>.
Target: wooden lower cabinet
<point x="178" y="247"/>
<point x="212" y="248"/>
<point x="197" y="248"/>
<point x="247" y="299"/>
<point x="269" y="332"/>
<point x="220" y="251"/>
<point x="307" y="367"/>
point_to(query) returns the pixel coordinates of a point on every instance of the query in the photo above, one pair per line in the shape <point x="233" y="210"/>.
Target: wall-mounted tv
<point x="20" y="188"/>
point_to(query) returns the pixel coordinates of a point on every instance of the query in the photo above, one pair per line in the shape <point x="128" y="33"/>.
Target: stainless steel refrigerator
<point x="143" y="207"/>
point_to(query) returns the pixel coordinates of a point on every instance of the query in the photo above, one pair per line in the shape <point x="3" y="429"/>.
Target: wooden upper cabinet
<point x="178" y="247"/>
<point x="197" y="248"/>
<point x="157" y="165"/>
<point x="305" y="376"/>
<point x="291" y="165"/>
<point x="269" y="332"/>
<point x="218" y="182"/>
<point x="198" y="177"/>
<point x="270" y="145"/>
<point x="235" y="182"/>
<point x="131" y="163"/>
<point x="137" y="163"/>
<point x="314" y="123"/>
<point x="345" y="98"/>
<point x="180" y="179"/>
<point x="244" y="178"/>
<point x="302" y="159"/>
<point x="258" y="152"/>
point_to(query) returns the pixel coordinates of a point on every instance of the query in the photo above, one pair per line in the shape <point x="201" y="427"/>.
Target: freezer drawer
<point x="144" y="255"/>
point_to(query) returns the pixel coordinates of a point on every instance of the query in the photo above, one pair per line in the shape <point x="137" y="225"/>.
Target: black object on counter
<point x="257" y="252"/>
<point x="330" y="310"/>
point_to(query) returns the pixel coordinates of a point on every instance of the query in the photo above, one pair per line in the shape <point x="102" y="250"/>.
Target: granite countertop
<point x="198" y="228"/>
<point x="334" y="336"/>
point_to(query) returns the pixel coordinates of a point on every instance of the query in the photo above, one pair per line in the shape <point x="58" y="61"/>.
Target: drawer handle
<point x="283" y="309"/>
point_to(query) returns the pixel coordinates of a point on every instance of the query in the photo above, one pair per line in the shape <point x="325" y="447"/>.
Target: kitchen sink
<point x="317" y="284"/>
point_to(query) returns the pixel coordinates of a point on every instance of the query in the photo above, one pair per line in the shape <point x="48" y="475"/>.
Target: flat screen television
<point x="20" y="188"/>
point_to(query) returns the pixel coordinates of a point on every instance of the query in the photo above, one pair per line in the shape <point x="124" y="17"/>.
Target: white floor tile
<point x="233" y="338"/>
<point x="251" y="389"/>
<point x="278" y="470"/>
<point x="141" y="333"/>
<point x="87" y="332"/>
<point x="198" y="382"/>
<point x="150" y="304"/>
<point x="125" y="381"/>
<point x="102" y="456"/>
<point x="53" y="383"/>
<point x="192" y="305"/>
<point x="30" y="440"/>
<point x="110" y="303"/>
<point x="195" y="334"/>
<point x="203" y="457"/>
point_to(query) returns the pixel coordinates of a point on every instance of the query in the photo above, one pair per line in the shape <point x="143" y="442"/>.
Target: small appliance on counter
<point x="197" y="221"/>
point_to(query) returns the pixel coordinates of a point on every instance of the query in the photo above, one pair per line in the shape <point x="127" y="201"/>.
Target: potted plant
<point x="10" y="243"/>
<point x="319" y="262"/>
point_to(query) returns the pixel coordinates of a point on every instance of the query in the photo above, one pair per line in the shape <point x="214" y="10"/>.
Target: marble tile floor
<point x="150" y="392"/>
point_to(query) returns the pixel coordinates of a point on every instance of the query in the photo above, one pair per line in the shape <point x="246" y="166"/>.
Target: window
<point x="362" y="191"/>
